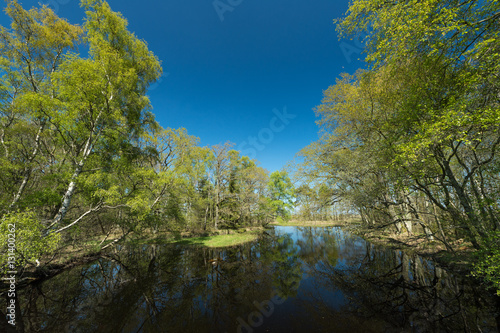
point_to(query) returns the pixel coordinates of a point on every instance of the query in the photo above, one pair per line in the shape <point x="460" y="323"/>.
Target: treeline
<point x="81" y="155"/>
<point x="412" y="141"/>
<point x="317" y="202"/>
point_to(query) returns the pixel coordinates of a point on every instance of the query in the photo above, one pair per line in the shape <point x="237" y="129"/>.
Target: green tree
<point x="413" y="140"/>
<point x="443" y="55"/>
<point x="31" y="51"/>
<point x="73" y="128"/>
<point x="103" y="101"/>
<point x="220" y="176"/>
<point x="281" y="194"/>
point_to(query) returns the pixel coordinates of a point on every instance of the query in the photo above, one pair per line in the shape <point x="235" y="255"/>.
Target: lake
<point x="292" y="279"/>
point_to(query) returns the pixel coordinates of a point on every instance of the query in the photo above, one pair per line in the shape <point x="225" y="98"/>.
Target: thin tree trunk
<point x="412" y="210"/>
<point x="206" y="213"/>
<point x="217" y="201"/>
<point x="27" y="172"/>
<point x="80" y="218"/>
<point x="462" y="196"/>
<point x="66" y="200"/>
<point x="441" y="231"/>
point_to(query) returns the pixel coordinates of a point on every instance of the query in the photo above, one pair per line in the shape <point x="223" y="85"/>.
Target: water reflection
<point x="400" y="292"/>
<point x="290" y="280"/>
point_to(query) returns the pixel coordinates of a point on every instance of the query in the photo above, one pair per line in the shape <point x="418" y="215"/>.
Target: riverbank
<point x="74" y="255"/>
<point x="220" y="238"/>
<point x="459" y="257"/>
<point x="207" y="238"/>
<point x="298" y="223"/>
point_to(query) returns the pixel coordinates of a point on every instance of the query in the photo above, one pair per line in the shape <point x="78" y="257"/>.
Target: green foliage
<point x="24" y="232"/>
<point x="81" y="150"/>
<point x="488" y="263"/>
<point x="414" y="138"/>
<point x="281" y="195"/>
<point x="173" y="210"/>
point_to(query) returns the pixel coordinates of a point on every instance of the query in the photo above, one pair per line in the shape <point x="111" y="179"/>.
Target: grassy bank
<point x="220" y="240"/>
<point x="78" y="251"/>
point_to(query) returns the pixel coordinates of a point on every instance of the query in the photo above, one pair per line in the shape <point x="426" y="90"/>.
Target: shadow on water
<point x="292" y="279"/>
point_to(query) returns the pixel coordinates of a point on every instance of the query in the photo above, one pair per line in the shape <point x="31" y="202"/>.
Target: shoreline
<point x="460" y="260"/>
<point x="214" y="239"/>
<point x="217" y="240"/>
<point x="295" y="223"/>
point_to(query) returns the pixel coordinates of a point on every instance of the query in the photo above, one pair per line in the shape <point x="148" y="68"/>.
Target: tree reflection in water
<point x="332" y="282"/>
<point x="388" y="291"/>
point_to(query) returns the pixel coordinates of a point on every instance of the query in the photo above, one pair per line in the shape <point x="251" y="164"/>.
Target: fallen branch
<point x="116" y="240"/>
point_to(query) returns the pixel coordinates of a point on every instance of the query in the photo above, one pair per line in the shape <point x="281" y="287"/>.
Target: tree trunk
<point x="412" y="211"/>
<point x="27" y="172"/>
<point x="206" y="213"/>
<point x="473" y="222"/>
<point x="66" y="200"/>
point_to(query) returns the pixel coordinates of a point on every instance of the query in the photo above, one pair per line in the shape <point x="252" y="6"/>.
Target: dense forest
<point x="82" y="159"/>
<point x="411" y="142"/>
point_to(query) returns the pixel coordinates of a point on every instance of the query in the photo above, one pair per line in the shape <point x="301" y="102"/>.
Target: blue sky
<point x="248" y="71"/>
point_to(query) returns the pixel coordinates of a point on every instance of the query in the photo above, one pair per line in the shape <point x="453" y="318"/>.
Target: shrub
<point x="22" y="240"/>
<point x="488" y="264"/>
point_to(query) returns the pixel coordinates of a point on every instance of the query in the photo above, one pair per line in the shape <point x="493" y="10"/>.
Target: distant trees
<point x="414" y="139"/>
<point x="319" y="202"/>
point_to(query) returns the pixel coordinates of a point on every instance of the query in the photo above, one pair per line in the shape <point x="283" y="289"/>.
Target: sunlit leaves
<point x="488" y="264"/>
<point x="281" y="194"/>
<point x="24" y="232"/>
<point x="423" y="120"/>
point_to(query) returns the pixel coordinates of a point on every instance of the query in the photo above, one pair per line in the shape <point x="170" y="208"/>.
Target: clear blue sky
<point x="227" y="69"/>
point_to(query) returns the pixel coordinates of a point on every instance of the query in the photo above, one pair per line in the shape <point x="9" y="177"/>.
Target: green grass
<point x="220" y="240"/>
<point x="236" y="237"/>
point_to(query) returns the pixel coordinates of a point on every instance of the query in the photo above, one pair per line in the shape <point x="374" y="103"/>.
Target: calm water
<point x="291" y="280"/>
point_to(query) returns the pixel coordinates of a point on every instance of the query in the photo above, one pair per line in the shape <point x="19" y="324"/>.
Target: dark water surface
<point x="292" y="279"/>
